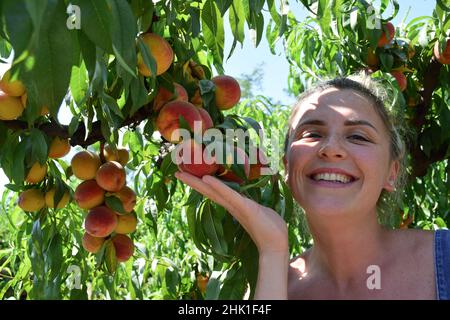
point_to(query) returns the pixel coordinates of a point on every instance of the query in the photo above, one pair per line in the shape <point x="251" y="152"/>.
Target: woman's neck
<point x="343" y="249"/>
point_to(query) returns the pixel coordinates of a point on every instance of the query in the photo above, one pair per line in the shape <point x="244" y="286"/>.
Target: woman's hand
<point x="266" y="228"/>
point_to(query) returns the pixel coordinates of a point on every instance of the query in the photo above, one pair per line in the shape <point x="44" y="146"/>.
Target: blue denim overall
<point x="442" y="263"/>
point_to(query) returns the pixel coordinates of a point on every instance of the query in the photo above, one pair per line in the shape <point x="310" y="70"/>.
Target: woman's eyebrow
<point x="348" y="123"/>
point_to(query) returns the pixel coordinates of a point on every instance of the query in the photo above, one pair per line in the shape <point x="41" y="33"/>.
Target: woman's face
<point x="338" y="159"/>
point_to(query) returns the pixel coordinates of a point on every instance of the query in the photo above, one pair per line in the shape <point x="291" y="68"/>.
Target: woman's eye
<point x="358" y="137"/>
<point x="311" y="135"/>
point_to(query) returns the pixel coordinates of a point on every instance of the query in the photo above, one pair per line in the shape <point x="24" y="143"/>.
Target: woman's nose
<point x="331" y="149"/>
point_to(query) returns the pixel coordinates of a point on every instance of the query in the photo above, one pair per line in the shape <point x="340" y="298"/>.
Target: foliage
<point x="92" y="74"/>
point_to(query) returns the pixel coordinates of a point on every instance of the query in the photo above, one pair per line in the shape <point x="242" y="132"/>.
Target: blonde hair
<point x="385" y="102"/>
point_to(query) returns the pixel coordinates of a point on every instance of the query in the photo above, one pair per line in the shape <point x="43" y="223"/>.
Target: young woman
<point x="343" y="157"/>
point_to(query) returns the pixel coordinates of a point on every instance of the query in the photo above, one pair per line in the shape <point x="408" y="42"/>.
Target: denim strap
<point x="442" y="263"/>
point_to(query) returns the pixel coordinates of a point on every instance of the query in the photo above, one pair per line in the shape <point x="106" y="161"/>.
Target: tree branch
<point x="53" y="129"/>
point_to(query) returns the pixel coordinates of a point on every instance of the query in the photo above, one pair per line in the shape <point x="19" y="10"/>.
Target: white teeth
<point x="332" y="177"/>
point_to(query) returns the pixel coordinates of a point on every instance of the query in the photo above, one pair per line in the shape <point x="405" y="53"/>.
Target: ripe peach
<point x="127" y="197"/>
<point x="92" y="244"/>
<point x="37" y="173"/>
<point x="126" y="223"/>
<point x="13" y="88"/>
<point x="120" y="155"/>
<point x="206" y="118"/>
<point x="111" y="176"/>
<point x="167" y="121"/>
<point x="31" y="200"/>
<point x="59" y="147"/>
<point x="100" y="221"/>
<point x="50" y="199"/>
<point x="237" y="157"/>
<point x="228" y="92"/>
<point x="88" y="194"/>
<point x="255" y="168"/>
<point x="444" y="56"/>
<point x="372" y="59"/>
<point x="124" y="247"/>
<point x="160" y="50"/>
<point x="200" y="165"/>
<point x="10" y="107"/>
<point x="401" y="79"/>
<point x="202" y="282"/>
<point x="85" y="165"/>
<point x="163" y="96"/>
<point x="384" y="40"/>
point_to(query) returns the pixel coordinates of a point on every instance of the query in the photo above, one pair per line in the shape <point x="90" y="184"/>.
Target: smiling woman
<point x="344" y="159"/>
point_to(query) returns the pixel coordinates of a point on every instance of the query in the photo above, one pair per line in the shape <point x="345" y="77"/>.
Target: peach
<point x="100" y="221"/>
<point x="372" y="59"/>
<point x="13" y="88"/>
<point x="207" y="122"/>
<point x="160" y="50"/>
<point x="10" y="107"/>
<point x="239" y="157"/>
<point x="128" y="198"/>
<point x="50" y="199"/>
<point x="187" y="162"/>
<point x="196" y="99"/>
<point x="384" y="40"/>
<point x="255" y="168"/>
<point x="92" y="244"/>
<point x="444" y="56"/>
<point x="88" y="194"/>
<point x="37" y="173"/>
<point x="167" y="121"/>
<point x="228" y="92"/>
<point x="59" y="147"/>
<point x="124" y="247"/>
<point x="202" y="282"/>
<point x="163" y="96"/>
<point x="111" y="176"/>
<point x="31" y="200"/>
<point x="126" y="223"/>
<point x="85" y="165"/>
<point x="120" y="155"/>
<point x="401" y="79"/>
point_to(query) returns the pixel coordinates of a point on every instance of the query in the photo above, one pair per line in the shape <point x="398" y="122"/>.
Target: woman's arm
<point x="266" y="228"/>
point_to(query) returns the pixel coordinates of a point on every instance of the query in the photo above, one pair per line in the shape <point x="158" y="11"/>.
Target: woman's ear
<point x="392" y="177"/>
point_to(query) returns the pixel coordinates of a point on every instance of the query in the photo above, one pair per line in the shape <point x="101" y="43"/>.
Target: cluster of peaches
<point x="442" y="54"/>
<point x="171" y="106"/>
<point x="13" y="98"/>
<point x="109" y="201"/>
<point x="33" y="198"/>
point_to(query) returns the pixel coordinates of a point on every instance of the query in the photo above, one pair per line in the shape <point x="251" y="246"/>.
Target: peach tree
<point x="92" y="209"/>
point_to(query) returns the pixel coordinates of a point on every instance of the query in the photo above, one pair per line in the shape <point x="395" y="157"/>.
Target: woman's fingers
<point x="200" y="186"/>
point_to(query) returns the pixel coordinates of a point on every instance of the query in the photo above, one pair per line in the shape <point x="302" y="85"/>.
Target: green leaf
<point x="19" y="24"/>
<point x="54" y="58"/>
<point x="96" y="22"/>
<point x="223" y="5"/>
<point x="79" y="83"/>
<point x="39" y="149"/>
<point x="213" y="32"/>
<point x="123" y="29"/>
<point x="212" y="227"/>
<point x="115" y="204"/>
<point x="110" y="257"/>
<point x="18" y="170"/>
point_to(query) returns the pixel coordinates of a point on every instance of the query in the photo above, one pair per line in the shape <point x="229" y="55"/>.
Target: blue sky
<point x="245" y="60"/>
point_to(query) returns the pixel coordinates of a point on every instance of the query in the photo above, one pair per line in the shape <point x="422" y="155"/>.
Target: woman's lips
<point x="331" y="184"/>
